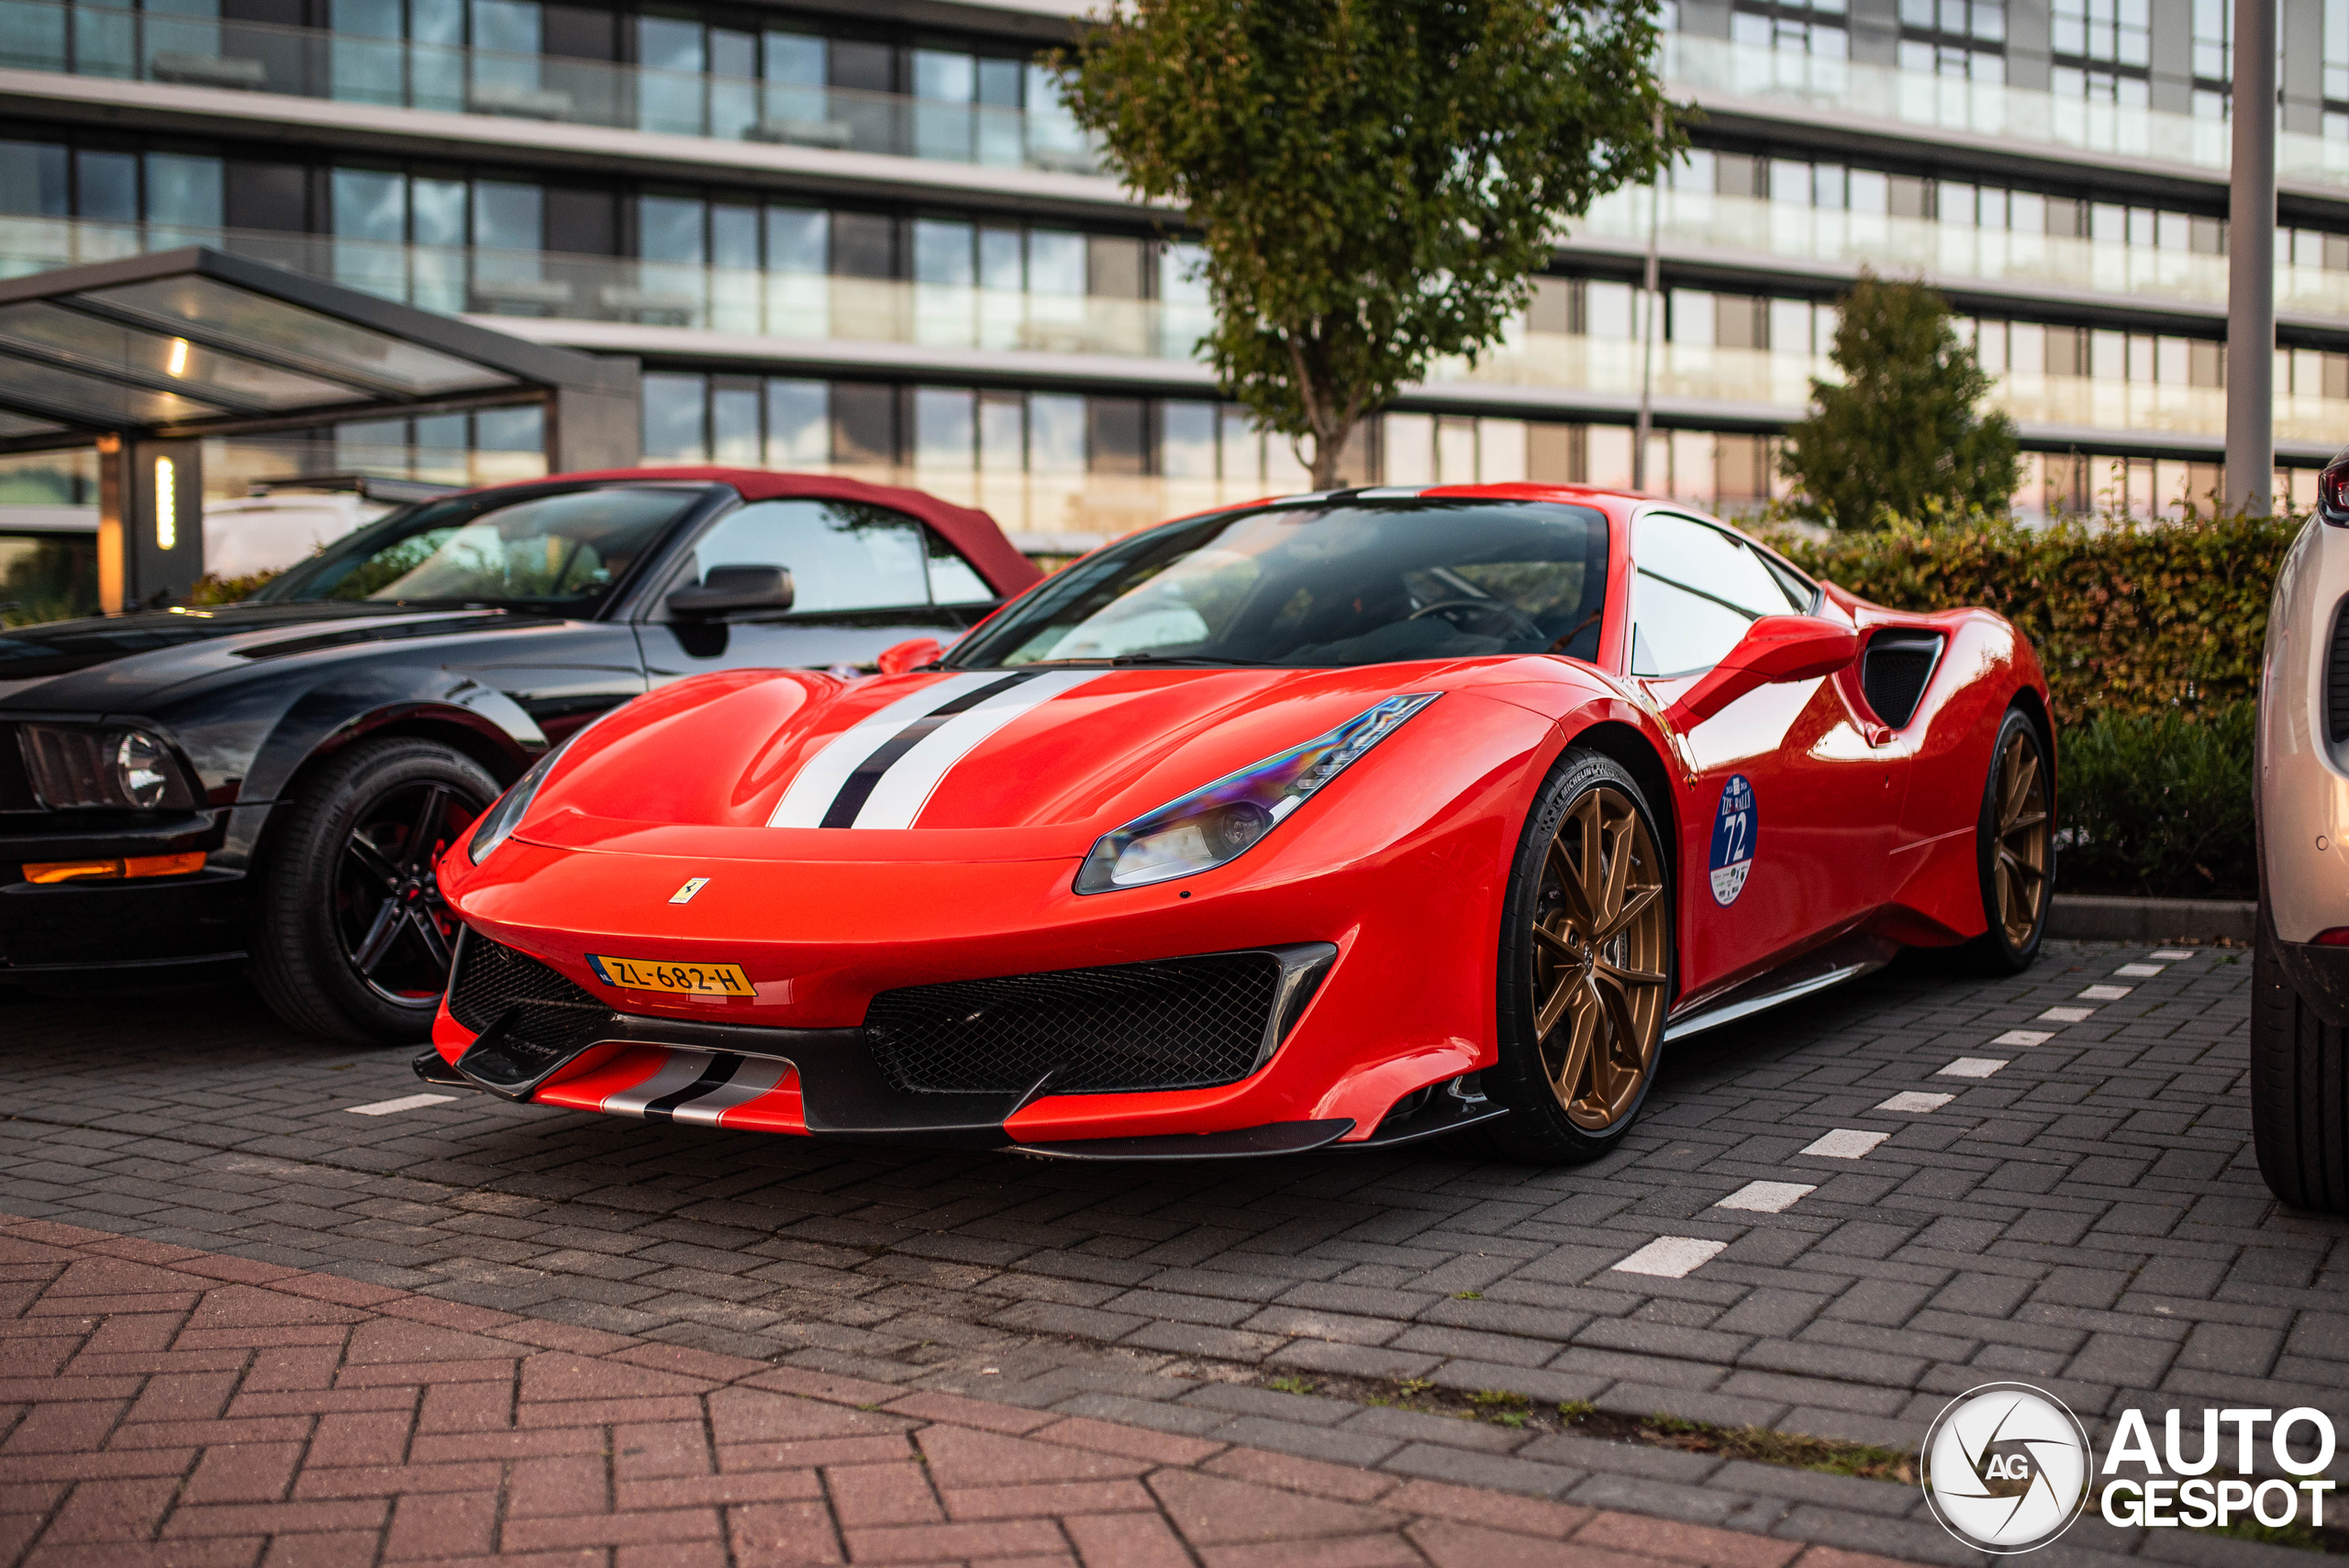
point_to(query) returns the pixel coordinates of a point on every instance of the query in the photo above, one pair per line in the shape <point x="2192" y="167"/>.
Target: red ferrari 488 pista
<point x="1348" y="819"/>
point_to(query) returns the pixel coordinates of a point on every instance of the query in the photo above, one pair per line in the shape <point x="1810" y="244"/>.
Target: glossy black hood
<point x="112" y="662"/>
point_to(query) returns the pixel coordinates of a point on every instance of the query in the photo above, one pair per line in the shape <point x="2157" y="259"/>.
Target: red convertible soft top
<point x="966" y="529"/>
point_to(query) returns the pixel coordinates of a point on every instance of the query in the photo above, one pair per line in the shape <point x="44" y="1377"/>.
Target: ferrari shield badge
<point x="1732" y="840"/>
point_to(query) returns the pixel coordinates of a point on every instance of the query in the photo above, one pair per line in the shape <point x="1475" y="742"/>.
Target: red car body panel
<point x="1401" y="861"/>
<point x="973" y="532"/>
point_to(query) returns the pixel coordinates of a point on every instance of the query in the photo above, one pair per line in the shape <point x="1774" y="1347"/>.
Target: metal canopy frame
<point x="142" y="300"/>
<point x="144" y="357"/>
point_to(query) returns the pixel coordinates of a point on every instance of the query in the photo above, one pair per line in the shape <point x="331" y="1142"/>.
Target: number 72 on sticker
<point x="1734" y="827"/>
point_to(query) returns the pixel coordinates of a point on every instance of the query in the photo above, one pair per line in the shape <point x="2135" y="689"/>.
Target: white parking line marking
<point x="1916" y="1100"/>
<point x="1766" y="1197"/>
<point x="2067" y="1014"/>
<point x="1971" y="1067"/>
<point x="2105" y="993"/>
<point x="2174" y="955"/>
<point x="2141" y="971"/>
<point x="1670" y="1257"/>
<point x="2024" y="1037"/>
<point x="1845" y="1143"/>
<point x="405" y="1103"/>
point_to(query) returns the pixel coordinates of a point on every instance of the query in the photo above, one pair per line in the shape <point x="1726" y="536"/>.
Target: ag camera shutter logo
<point x="2006" y="1468"/>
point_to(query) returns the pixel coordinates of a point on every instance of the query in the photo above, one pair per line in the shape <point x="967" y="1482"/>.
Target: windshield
<point x="563" y="553"/>
<point x="1357" y="583"/>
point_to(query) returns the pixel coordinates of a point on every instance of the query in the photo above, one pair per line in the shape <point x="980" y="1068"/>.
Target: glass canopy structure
<point x="144" y="357"/>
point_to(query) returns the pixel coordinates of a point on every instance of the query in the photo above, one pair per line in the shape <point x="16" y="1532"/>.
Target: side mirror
<point x="1775" y="649"/>
<point x="909" y="655"/>
<point x="731" y="588"/>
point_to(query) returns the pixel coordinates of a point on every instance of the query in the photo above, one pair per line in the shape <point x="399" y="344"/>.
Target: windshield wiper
<point x="1200" y="659"/>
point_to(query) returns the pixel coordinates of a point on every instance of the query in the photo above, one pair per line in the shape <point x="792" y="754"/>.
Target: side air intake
<point x="1894" y="669"/>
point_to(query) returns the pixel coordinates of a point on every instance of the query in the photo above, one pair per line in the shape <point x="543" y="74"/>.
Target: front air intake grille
<point x="539" y="1007"/>
<point x="1182" y="1023"/>
<point x="1894" y="670"/>
<point x="2336" y="679"/>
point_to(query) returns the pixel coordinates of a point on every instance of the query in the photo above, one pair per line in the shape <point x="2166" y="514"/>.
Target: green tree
<point x="1372" y="181"/>
<point x="1902" y="435"/>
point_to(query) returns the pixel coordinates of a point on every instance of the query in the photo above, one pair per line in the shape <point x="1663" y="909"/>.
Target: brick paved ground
<point x="168" y="1406"/>
<point x="2081" y="1211"/>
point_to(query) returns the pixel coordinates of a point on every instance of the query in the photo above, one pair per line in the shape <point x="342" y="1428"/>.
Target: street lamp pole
<point x="1647" y="331"/>
<point x="2251" y="262"/>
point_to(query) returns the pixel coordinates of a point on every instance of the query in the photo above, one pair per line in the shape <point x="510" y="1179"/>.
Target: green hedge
<point x="2150" y="638"/>
<point x="2126" y="619"/>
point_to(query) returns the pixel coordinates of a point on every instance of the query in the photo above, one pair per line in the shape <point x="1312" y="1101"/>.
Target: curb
<point x="2098" y="917"/>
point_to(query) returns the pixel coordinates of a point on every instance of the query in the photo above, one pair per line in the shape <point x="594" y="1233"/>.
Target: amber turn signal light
<point x="136" y="866"/>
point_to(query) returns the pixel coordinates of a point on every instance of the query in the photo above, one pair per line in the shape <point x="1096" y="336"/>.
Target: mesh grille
<point x="541" y="1008"/>
<point x="2336" y="680"/>
<point x="1187" y="1023"/>
<point x="1893" y="674"/>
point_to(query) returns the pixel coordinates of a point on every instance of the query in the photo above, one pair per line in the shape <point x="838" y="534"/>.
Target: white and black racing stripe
<point x="882" y="772"/>
<point x="698" y="1086"/>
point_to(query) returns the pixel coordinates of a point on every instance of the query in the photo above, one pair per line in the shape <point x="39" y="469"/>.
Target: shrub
<point x="2157" y="803"/>
<point x="210" y="589"/>
<point x="55" y="579"/>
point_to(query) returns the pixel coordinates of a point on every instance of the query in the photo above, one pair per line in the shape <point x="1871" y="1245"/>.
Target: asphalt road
<point x="1835" y="1217"/>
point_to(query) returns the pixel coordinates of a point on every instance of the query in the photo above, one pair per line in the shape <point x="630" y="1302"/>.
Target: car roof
<point x="969" y="530"/>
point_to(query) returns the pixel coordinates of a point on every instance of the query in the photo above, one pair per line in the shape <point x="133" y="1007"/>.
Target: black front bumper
<point x="91" y="923"/>
<point x="138" y="923"/>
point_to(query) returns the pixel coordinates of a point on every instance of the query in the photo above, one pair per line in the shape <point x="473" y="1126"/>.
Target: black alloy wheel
<point x="351" y="937"/>
<point x="396" y="933"/>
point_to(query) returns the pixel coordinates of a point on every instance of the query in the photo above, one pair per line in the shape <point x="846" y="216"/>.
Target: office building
<point x="865" y="238"/>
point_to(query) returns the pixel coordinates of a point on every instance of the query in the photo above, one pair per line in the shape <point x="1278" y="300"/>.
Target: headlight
<point x="1208" y="827"/>
<point x="118" y="768"/>
<point x="498" y="824"/>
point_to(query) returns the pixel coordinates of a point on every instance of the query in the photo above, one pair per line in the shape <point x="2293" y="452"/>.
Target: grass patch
<point x="1760" y="1444"/>
<point x="1520" y="1412"/>
<point x="2299" y="1535"/>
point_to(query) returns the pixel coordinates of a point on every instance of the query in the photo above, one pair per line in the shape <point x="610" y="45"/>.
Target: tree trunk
<point x="1327" y="451"/>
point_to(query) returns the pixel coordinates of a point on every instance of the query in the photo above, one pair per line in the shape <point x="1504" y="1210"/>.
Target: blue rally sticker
<point x="1732" y="840"/>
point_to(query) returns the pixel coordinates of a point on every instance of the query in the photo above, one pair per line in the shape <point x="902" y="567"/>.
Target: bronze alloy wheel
<point x="1601" y="935"/>
<point x="2025" y="839"/>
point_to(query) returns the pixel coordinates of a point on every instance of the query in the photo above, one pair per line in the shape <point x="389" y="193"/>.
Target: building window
<point x="2213" y="57"/>
<point x="1789" y="27"/>
<point x="1961" y="38"/>
<point x="2102" y="49"/>
<point x="2336" y="70"/>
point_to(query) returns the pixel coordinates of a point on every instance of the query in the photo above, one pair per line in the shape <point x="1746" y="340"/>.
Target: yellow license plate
<point x="655" y="974"/>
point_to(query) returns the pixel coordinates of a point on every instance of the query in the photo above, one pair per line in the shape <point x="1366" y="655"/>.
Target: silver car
<point x="2299" y="1009"/>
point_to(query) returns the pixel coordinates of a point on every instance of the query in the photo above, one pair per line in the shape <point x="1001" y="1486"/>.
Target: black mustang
<point x="273" y="781"/>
